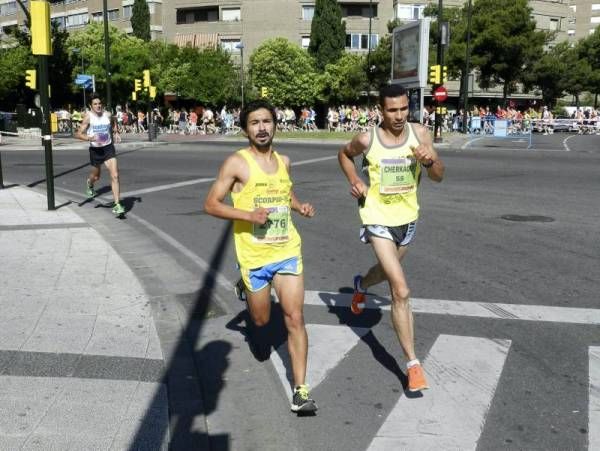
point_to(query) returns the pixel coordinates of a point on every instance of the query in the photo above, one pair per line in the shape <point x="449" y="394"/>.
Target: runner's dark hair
<point x="253" y="106"/>
<point x="391" y="90"/>
<point x="95" y="95"/>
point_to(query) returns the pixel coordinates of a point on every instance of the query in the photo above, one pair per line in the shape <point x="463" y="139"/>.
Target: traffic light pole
<point x="107" y="56"/>
<point x="46" y="131"/>
<point x="437" y="131"/>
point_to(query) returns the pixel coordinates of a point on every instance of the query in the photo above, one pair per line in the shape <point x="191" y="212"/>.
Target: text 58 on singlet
<point x="259" y="245"/>
<point x="99" y="126"/>
<point x="394" y="175"/>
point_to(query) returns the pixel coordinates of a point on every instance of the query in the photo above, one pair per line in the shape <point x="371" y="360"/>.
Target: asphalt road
<point x="508" y="226"/>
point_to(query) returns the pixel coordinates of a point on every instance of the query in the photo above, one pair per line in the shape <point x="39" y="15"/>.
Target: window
<point x="7" y="9"/>
<point x="113" y="14"/>
<point x="59" y="21"/>
<point x="554" y="24"/>
<point x="231" y="14"/>
<point x="358" y="41"/>
<point x="305" y="42"/>
<point x="77" y="20"/>
<point x="358" y="10"/>
<point x="127" y="11"/>
<point x="308" y="12"/>
<point x="231" y="45"/>
<point x="191" y="15"/>
<point x="97" y="17"/>
<point x="571" y="32"/>
<point x="152" y="7"/>
<point x="595" y="19"/>
<point x="409" y="12"/>
<point x="595" y="6"/>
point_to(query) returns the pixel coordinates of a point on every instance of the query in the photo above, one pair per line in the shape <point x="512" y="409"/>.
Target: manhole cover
<point x="528" y="218"/>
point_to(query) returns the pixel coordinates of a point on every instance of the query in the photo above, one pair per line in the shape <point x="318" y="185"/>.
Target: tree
<point x="287" y="71"/>
<point x="207" y="77"/>
<point x="327" y="33"/>
<point x="589" y="48"/>
<point x="129" y="57"/>
<point x="549" y="72"/>
<point x="341" y="79"/>
<point x="140" y="20"/>
<point x="13" y="63"/>
<point x="381" y="57"/>
<point x="505" y="43"/>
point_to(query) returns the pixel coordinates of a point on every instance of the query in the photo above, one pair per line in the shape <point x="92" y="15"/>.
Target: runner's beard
<point x="261" y="145"/>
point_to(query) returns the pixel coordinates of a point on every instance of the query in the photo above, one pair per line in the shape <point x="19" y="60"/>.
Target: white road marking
<point x="327" y="346"/>
<point x="462" y="308"/>
<point x="166" y="187"/>
<point x="565" y="145"/>
<point x="451" y="414"/>
<point x="594" y="398"/>
<point x="202" y="180"/>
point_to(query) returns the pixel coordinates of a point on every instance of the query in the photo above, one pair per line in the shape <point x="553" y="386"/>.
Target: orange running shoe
<point x="358" y="298"/>
<point x="416" y="379"/>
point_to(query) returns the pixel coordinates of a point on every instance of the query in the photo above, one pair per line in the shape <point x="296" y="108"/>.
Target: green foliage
<point x="340" y="80"/>
<point x="140" y="20"/>
<point x="327" y="33"/>
<point x="207" y="76"/>
<point x="13" y="63"/>
<point x="505" y="42"/>
<point x="129" y="56"/>
<point x="288" y="72"/>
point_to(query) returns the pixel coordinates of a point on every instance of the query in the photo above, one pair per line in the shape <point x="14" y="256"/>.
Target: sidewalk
<point x="81" y="365"/>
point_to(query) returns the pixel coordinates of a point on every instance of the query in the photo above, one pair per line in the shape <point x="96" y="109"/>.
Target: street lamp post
<point x="240" y="46"/>
<point x="467" y="69"/>
<point x="107" y="55"/>
<point x="369" y="71"/>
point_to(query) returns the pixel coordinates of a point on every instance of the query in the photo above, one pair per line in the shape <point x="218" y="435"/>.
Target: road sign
<point x="440" y="94"/>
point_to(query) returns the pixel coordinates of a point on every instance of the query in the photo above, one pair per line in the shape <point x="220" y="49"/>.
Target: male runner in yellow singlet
<point x="267" y="245"/>
<point x="394" y="154"/>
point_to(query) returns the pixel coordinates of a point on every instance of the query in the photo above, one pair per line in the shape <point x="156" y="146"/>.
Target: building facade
<point x="584" y="18"/>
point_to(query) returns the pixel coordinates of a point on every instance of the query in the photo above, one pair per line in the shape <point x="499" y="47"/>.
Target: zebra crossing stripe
<point x="594" y="398"/>
<point x="451" y="414"/>
<point x="327" y="346"/>
<point x="462" y="308"/>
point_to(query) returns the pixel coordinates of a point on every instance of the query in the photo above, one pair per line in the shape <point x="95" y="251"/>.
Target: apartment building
<point x="236" y="23"/>
<point x="584" y="18"/>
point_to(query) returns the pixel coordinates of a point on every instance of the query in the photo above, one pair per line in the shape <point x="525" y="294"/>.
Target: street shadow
<point x="193" y="379"/>
<point x="261" y="340"/>
<point x="60" y="174"/>
<point x="370" y="317"/>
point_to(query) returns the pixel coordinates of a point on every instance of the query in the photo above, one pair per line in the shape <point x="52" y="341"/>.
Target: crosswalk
<point x="452" y="414"/>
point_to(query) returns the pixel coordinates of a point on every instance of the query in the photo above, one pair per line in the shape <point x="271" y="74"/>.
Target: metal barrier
<point x="493" y="127"/>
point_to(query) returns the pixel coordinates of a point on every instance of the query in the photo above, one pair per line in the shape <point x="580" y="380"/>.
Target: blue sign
<point x="500" y="128"/>
<point x="85" y="81"/>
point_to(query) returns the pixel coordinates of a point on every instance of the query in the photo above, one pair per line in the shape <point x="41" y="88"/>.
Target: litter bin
<point x="152" y="132"/>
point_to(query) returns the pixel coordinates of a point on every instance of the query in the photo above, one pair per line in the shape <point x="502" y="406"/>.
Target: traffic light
<point x="31" y="79"/>
<point x="134" y="95"/>
<point x="444" y="74"/>
<point x="441" y="110"/>
<point x="152" y="91"/>
<point x="146" y="78"/>
<point x="264" y="91"/>
<point x="435" y="74"/>
<point x="137" y="85"/>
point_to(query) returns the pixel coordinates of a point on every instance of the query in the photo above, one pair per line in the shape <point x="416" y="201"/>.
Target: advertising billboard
<point x="410" y="54"/>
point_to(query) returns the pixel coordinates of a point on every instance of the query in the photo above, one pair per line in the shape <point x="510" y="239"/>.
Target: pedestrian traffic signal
<point x="435" y="74"/>
<point x="441" y="110"/>
<point x="147" y="78"/>
<point x="444" y="74"/>
<point x="134" y="95"/>
<point x="137" y="85"/>
<point x="31" y="78"/>
<point x="264" y="91"/>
